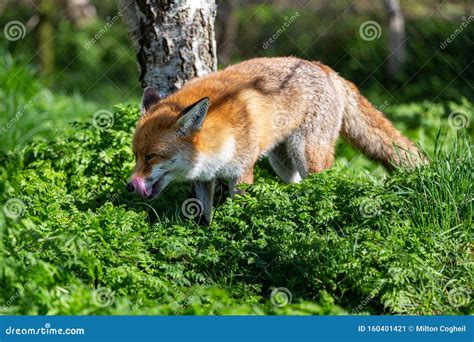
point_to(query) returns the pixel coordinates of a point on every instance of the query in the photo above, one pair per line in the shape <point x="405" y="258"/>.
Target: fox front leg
<point x="246" y="177"/>
<point x="203" y="192"/>
<point x="233" y="189"/>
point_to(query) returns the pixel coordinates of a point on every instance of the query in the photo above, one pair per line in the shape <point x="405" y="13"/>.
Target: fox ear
<point x="192" y="118"/>
<point x="150" y="98"/>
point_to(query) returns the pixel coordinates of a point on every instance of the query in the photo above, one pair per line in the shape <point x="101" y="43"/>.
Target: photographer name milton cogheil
<point x="441" y="328"/>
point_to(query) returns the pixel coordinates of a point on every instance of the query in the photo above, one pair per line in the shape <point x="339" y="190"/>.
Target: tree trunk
<point x="174" y="40"/>
<point x="47" y="10"/>
<point x="227" y="19"/>
<point x="397" y="48"/>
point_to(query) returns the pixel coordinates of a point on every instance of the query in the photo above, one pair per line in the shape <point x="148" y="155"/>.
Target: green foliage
<point x="77" y="243"/>
<point x="29" y="110"/>
<point x="104" y="67"/>
<point x="93" y="57"/>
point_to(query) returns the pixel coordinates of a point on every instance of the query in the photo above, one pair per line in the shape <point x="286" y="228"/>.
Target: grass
<point x="343" y="241"/>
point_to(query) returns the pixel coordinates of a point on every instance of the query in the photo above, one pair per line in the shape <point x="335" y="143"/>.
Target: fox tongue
<point x="140" y="187"/>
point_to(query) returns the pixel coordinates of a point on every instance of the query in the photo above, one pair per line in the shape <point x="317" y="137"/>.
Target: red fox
<point x="219" y="125"/>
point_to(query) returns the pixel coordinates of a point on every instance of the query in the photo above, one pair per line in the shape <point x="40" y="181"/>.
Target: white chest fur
<point x="220" y="164"/>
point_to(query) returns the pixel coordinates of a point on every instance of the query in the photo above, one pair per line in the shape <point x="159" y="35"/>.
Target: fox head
<point x="163" y="143"/>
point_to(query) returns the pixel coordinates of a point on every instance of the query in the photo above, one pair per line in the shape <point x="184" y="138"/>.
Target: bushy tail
<point x="366" y="128"/>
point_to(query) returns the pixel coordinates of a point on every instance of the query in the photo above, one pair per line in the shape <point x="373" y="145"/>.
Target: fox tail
<point x="367" y="129"/>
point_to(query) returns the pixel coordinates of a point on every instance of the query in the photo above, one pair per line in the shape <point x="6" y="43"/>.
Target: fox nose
<point x="130" y="187"/>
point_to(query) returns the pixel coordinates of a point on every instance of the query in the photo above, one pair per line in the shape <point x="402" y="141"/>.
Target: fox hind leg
<point x="282" y="162"/>
<point x="312" y="146"/>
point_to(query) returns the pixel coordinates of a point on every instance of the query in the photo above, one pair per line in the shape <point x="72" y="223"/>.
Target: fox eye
<point x="149" y="157"/>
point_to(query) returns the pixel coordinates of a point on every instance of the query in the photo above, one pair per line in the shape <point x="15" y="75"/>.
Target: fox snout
<point x="137" y="185"/>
